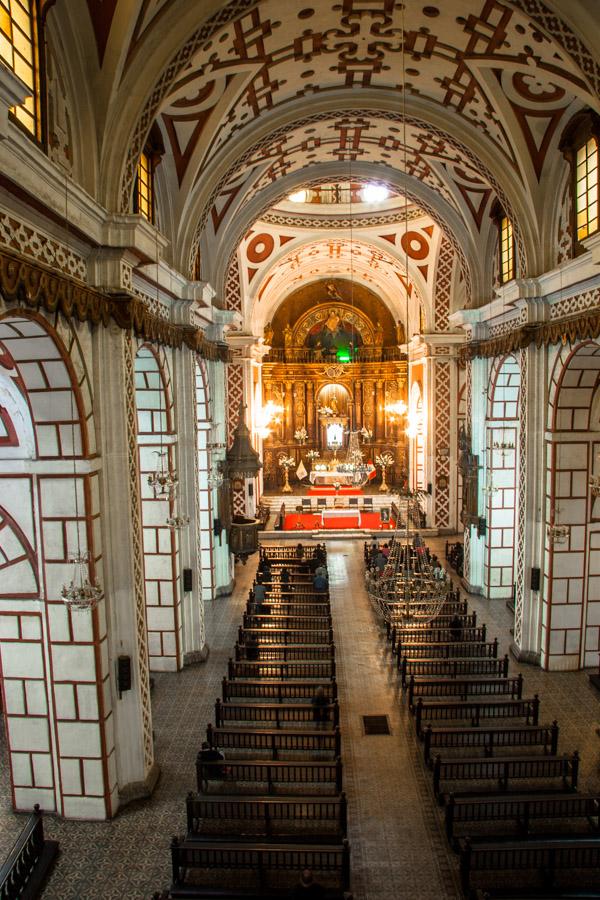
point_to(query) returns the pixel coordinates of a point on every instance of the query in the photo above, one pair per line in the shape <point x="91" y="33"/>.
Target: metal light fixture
<point x="557" y="534"/>
<point x="81" y="593"/>
<point x="177" y="523"/>
<point x="162" y="481"/>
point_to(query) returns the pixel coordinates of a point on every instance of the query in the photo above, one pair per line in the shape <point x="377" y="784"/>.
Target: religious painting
<point x="334" y="336"/>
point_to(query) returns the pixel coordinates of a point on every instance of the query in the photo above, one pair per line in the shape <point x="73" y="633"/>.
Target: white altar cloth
<point x="333" y="512"/>
<point x="330" y="476"/>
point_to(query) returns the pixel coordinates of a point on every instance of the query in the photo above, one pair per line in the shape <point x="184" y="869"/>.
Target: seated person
<point x="210" y="754"/>
<point x="320" y="582"/>
<point x="285" y="576"/>
<point x="260" y="592"/>
<point x="307" y="887"/>
<point x="321" y="570"/>
<point x="299" y="551"/>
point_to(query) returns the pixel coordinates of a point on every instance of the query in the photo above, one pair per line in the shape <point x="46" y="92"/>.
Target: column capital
<point x="247" y="346"/>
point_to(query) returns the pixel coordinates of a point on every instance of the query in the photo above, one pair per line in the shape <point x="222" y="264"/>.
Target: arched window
<point x="19" y="50"/>
<point x="144" y="200"/>
<point x="506" y="244"/>
<point x="579" y="145"/>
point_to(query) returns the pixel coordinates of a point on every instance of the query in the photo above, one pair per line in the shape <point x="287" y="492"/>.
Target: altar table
<point x="329" y="476"/>
<point x="333" y="512"/>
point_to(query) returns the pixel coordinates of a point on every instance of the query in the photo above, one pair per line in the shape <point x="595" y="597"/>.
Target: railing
<point x="29" y="860"/>
<point x="307" y="355"/>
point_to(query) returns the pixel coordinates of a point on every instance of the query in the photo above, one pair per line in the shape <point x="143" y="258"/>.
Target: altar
<point x="330" y="476"/>
<point x="329" y="512"/>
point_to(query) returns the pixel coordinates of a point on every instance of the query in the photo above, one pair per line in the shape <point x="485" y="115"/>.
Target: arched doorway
<point x="500" y="487"/>
<point x="54" y="664"/>
<point x="570" y="635"/>
<point x="156" y="446"/>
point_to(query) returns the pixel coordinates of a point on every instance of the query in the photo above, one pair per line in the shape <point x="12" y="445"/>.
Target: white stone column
<point x="531" y="494"/>
<point x="123" y="572"/>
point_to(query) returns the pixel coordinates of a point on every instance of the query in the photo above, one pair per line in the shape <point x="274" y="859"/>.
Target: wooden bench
<point x="271" y="772"/>
<point x="464" y="686"/>
<point x="443" y="620"/>
<point x="449" y="608"/>
<point x="520" y="809"/>
<point x="452" y="668"/>
<point x="504" y="769"/>
<point x="491" y="738"/>
<point x="275" y="621"/>
<point x="263" y="860"/>
<point x="286" y="635"/>
<point x="287" y="652"/>
<point x="276" y="742"/>
<point x="274" y="607"/>
<point x="30" y="861"/>
<point x="433" y="635"/>
<point x="446" y="649"/>
<point x="268" y="817"/>
<point x="276" y="691"/>
<point x="474" y="711"/>
<point x="295" y="596"/>
<point x="316" y="669"/>
<point x="546" y="856"/>
<point x="273" y="713"/>
<point x="284" y="552"/>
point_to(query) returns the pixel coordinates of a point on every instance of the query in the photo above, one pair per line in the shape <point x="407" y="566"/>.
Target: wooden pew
<point x="274" y="607"/>
<point x="453" y="668"/>
<point x="30" y="861"/>
<point x="491" y="738"/>
<point x="264" y="861"/>
<point x="446" y="649"/>
<point x="275" y="621"/>
<point x="317" y="669"/>
<point x="276" y="714"/>
<point x="433" y="635"/>
<point x="268" y="817"/>
<point x="448" y="608"/>
<point x="273" y="595"/>
<point x="505" y="769"/>
<point x="474" y="711"/>
<point x="271" y="773"/>
<point x="547" y="856"/>
<point x="521" y="810"/>
<point x="276" y="742"/>
<point x="287" y="652"/>
<point x="276" y="691"/>
<point x="286" y="635"/>
<point x="285" y="552"/>
<point x="463" y="686"/>
<point x="443" y="620"/>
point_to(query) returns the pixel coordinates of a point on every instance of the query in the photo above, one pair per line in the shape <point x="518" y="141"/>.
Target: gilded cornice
<point x="583" y="326"/>
<point x="37" y="287"/>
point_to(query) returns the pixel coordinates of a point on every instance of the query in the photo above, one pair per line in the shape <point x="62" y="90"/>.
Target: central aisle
<point x="398" y="848"/>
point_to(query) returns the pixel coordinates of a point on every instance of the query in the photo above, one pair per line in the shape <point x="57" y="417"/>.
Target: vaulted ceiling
<point x="455" y="103"/>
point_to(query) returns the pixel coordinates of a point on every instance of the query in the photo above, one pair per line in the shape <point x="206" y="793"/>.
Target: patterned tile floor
<point x="398" y="845"/>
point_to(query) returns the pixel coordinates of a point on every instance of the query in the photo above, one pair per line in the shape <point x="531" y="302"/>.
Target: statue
<point x="378" y="334"/>
<point x="333" y="292"/>
<point x="268" y="333"/>
<point x="400" y="333"/>
<point x="287" y="336"/>
<point x="468" y="465"/>
<point x="334" y="405"/>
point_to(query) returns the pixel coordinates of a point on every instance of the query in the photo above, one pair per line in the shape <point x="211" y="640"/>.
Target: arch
<point x="156" y="450"/>
<point x="50" y="513"/>
<point x="570" y="608"/>
<point x="500" y="489"/>
<point x="205" y="497"/>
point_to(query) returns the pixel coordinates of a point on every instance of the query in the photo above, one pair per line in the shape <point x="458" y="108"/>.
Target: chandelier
<point x="163" y="481"/>
<point x="177" y="523"/>
<point x="594" y="485"/>
<point x="215" y="478"/>
<point x="557" y="534"/>
<point x="81" y="593"/>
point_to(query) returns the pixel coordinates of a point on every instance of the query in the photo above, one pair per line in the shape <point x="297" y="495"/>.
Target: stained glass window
<point x="586" y="189"/>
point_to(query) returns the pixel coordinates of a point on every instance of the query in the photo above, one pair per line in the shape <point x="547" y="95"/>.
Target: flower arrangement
<point x="325" y="411"/>
<point x="286" y="462"/>
<point x="366" y="433"/>
<point x="383" y="461"/>
<point x="312" y="455"/>
<point x="301" y="435"/>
